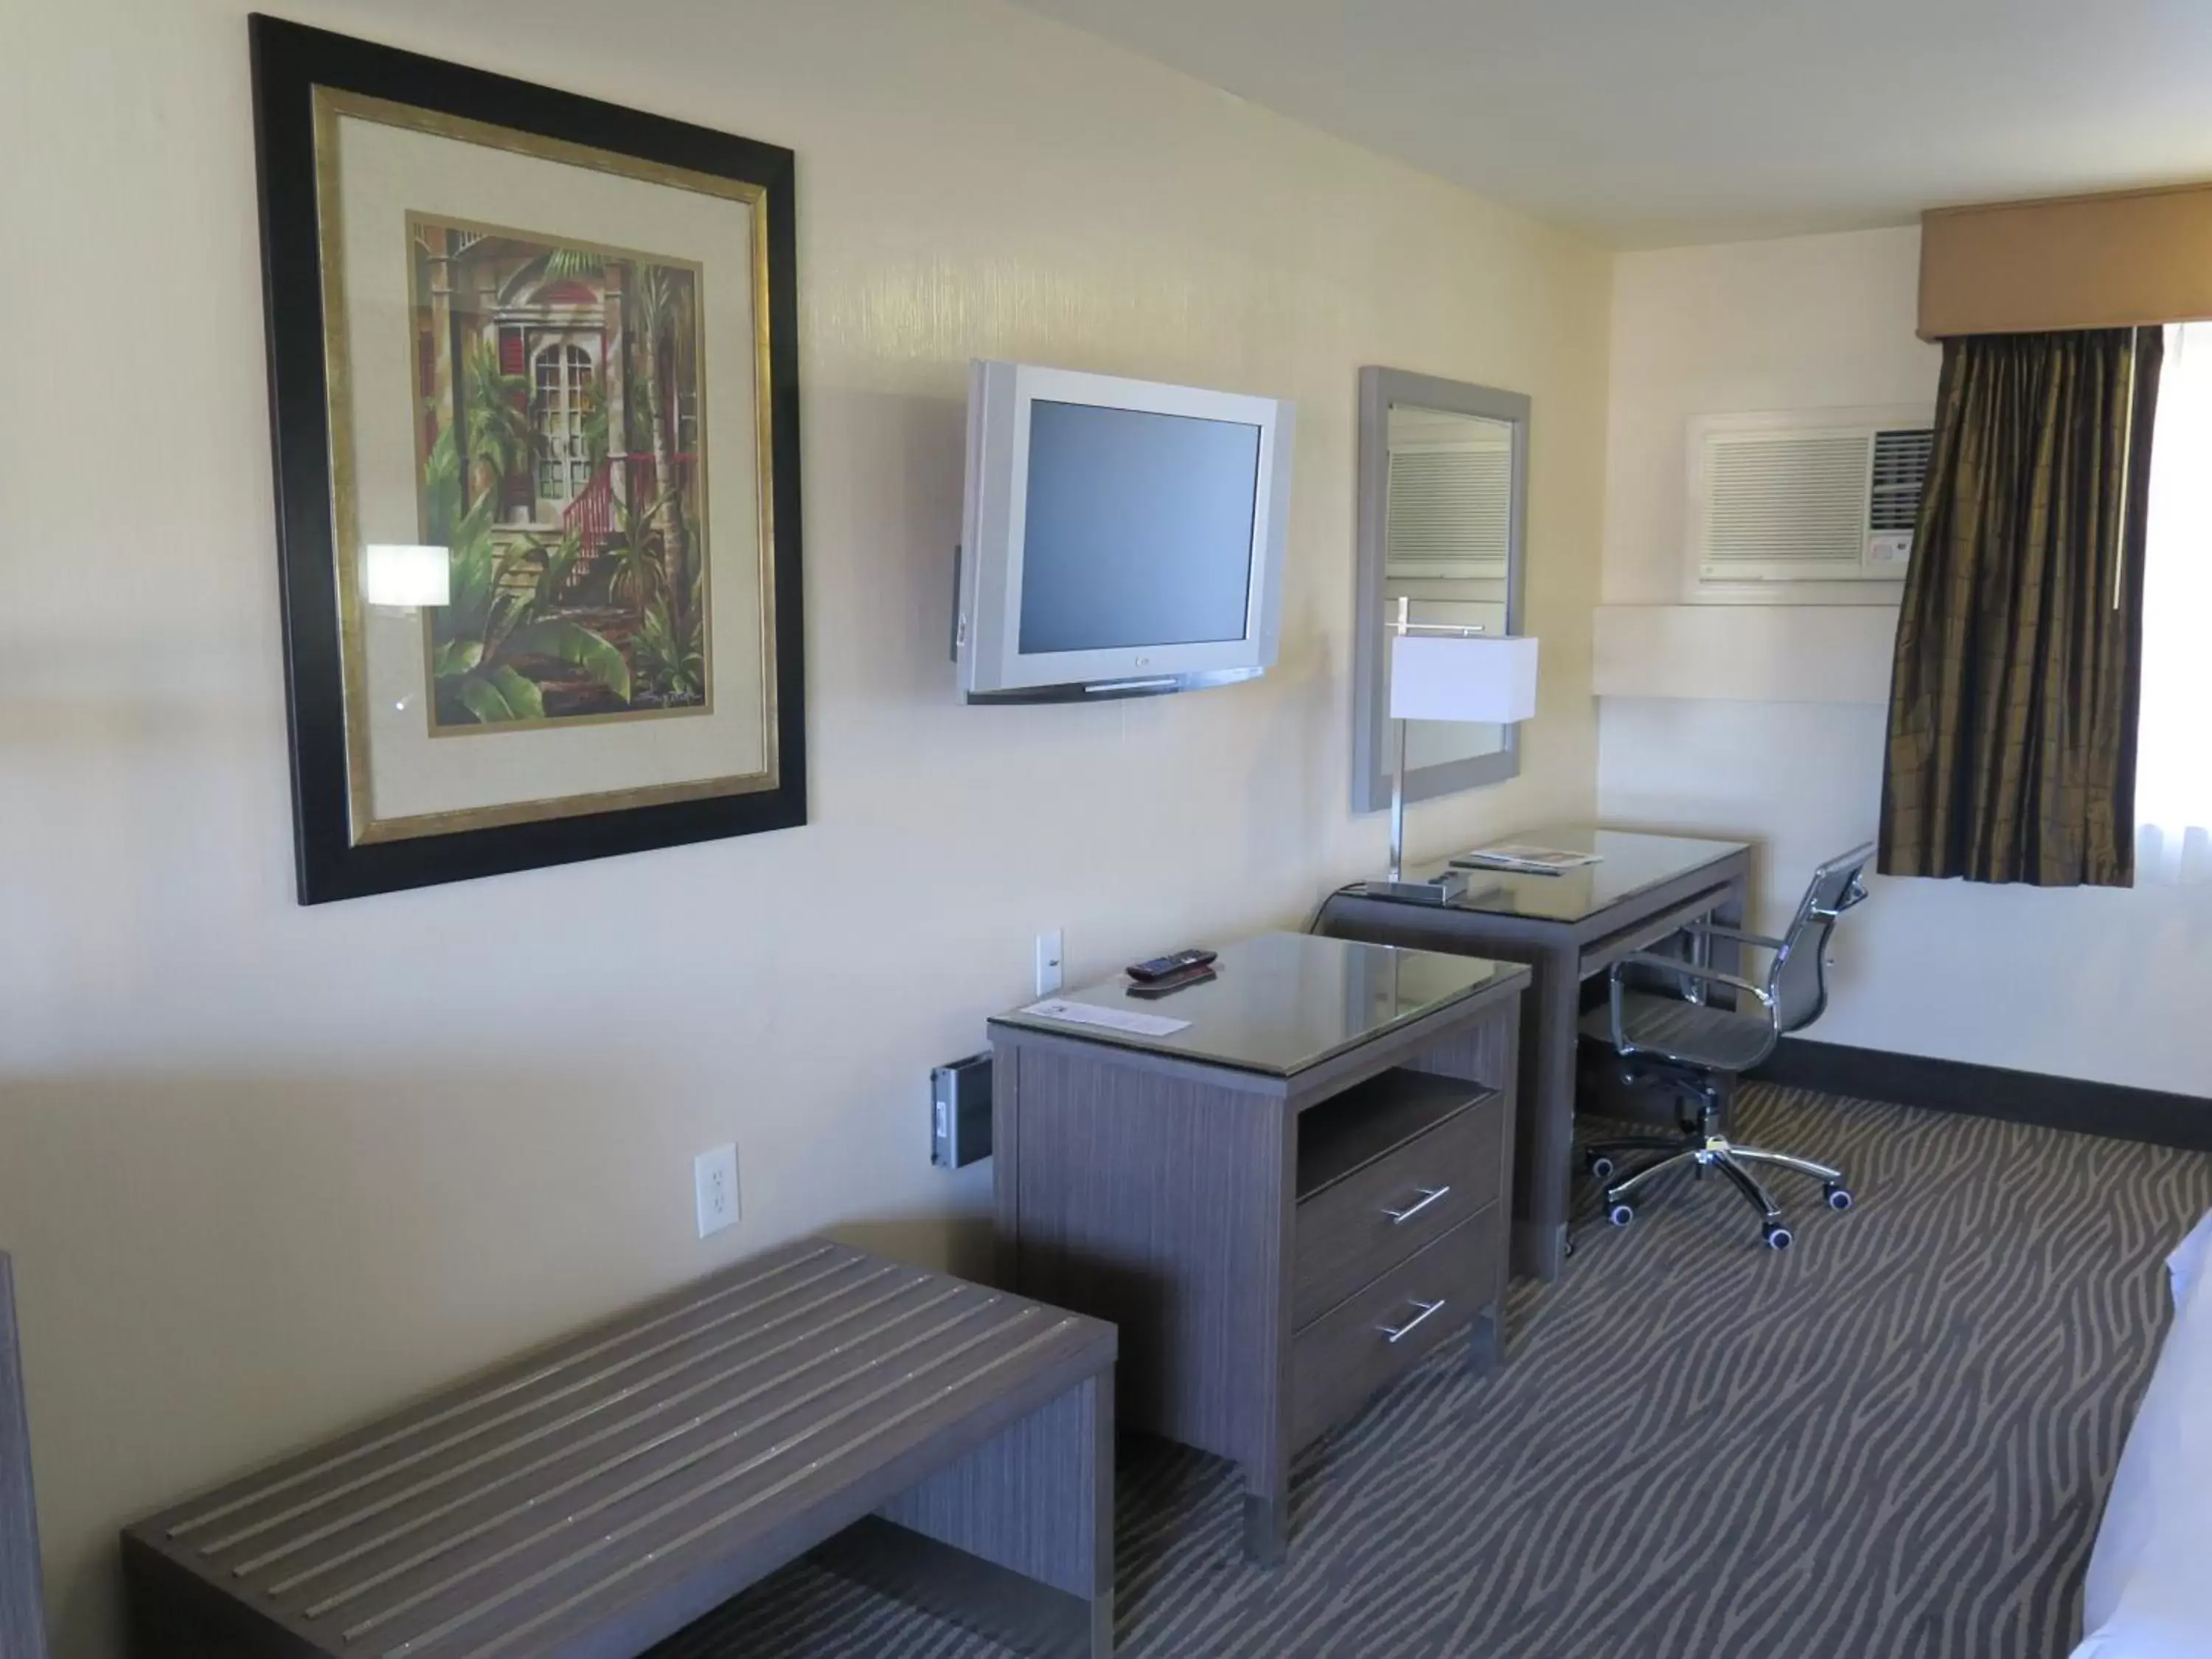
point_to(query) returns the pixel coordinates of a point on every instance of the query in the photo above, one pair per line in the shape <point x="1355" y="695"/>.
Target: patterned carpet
<point x="1891" y="1442"/>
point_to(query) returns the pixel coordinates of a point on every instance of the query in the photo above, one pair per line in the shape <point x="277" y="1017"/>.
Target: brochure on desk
<point x="1519" y="859"/>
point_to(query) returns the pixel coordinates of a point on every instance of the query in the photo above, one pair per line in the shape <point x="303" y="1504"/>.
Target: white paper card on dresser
<point x="1112" y="1019"/>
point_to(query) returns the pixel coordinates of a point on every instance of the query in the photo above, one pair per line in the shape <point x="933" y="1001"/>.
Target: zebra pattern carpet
<point x="1893" y="1441"/>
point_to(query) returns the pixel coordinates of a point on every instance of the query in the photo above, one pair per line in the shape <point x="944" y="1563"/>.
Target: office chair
<point x="1686" y="1047"/>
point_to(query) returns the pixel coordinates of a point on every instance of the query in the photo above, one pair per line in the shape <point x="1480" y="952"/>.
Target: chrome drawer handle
<point x="1413" y="1324"/>
<point x="1429" y="1195"/>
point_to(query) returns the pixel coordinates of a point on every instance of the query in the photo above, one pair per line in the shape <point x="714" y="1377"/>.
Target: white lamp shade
<point x="1449" y="677"/>
<point x="396" y="574"/>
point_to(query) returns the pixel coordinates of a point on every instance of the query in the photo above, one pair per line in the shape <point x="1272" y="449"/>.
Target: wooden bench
<point x="948" y="1442"/>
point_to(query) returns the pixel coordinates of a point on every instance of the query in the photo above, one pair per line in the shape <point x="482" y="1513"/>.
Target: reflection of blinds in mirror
<point x="1449" y="512"/>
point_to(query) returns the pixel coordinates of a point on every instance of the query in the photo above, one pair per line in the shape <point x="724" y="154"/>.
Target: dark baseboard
<point x="1955" y="1085"/>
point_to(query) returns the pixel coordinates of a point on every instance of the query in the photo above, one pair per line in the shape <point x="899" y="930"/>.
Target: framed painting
<point x="533" y="377"/>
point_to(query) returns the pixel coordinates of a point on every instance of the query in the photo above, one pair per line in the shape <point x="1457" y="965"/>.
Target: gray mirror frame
<point x="1372" y="751"/>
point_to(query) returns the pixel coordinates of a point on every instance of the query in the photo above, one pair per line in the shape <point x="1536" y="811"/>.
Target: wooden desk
<point x="1284" y="1206"/>
<point x="1566" y="928"/>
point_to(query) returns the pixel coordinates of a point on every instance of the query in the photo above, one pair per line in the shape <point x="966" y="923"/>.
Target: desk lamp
<point x="1441" y="672"/>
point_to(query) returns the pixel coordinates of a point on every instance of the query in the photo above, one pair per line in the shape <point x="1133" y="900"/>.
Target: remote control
<point x="1181" y="980"/>
<point x="1160" y="967"/>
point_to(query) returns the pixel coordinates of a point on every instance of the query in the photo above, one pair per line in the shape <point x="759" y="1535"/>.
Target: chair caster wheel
<point x="1778" y="1237"/>
<point x="1621" y="1214"/>
<point x="1838" y="1196"/>
<point x="1599" y="1166"/>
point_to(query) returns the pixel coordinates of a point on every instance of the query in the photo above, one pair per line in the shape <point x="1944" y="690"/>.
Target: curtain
<point x="2173" y="760"/>
<point x="2014" y="693"/>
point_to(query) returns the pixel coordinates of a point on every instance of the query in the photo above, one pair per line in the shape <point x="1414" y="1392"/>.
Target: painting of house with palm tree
<point x="558" y="450"/>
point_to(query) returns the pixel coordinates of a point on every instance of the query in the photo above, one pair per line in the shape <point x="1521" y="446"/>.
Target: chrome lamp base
<point x="1447" y="885"/>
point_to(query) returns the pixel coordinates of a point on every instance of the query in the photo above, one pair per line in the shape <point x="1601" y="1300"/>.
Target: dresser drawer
<point x="1368" y="1219"/>
<point x="1348" y="1353"/>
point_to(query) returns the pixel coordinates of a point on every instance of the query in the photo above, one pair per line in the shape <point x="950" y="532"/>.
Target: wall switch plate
<point x="1048" y="963"/>
<point x="714" y="1188"/>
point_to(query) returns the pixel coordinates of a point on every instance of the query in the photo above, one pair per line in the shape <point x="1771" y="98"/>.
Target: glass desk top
<point x="1630" y="862"/>
<point x="1283" y="1002"/>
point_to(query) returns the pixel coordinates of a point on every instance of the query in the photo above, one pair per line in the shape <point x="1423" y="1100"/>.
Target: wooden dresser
<point x="1283" y="1205"/>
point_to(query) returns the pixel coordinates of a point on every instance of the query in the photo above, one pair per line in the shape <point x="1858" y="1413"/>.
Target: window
<point x="2173" y="761"/>
<point x="561" y="399"/>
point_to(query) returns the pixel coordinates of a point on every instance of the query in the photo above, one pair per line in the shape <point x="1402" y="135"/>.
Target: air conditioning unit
<point x="1821" y="495"/>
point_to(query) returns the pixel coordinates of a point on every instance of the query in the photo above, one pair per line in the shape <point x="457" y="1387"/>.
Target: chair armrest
<point x="1716" y="931"/>
<point x="1689" y="970"/>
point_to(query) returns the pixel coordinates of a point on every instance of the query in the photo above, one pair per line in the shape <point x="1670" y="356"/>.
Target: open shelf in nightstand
<point x="1372" y="1120"/>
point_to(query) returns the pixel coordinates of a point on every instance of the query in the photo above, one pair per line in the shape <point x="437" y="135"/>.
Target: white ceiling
<point x="1651" y="123"/>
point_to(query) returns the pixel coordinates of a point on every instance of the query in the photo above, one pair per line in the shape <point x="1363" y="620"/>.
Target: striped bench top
<point x="731" y="1424"/>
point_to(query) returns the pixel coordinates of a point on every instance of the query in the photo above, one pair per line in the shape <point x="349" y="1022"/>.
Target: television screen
<point x="1138" y="528"/>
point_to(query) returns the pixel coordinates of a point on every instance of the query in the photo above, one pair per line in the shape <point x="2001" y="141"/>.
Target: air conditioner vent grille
<point x="1900" y="474"/>
<point x="1788" y="499"/>
<point x="1825" y="498"/>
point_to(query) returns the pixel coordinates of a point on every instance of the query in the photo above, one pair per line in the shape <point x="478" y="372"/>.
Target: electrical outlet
<point x="1048" y="963"/>
<point x="714" y="1188"/>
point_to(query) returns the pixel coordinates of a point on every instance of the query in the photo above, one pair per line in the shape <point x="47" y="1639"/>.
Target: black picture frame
<point x="290" y="61"/>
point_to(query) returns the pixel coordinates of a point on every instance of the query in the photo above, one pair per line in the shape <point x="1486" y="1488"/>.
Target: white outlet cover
<point x="1048" y="959"/>
<point x="714" y="1188"/>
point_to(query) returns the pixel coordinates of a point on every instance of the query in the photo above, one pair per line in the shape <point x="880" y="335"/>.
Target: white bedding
<point x="2149" y="1595"/>
<point x="2187" y="1261"/>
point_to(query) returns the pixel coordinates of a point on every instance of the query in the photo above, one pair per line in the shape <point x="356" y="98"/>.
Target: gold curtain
<point x="2013" y="698"/>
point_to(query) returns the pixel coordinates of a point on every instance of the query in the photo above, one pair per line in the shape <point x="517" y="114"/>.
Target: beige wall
<point x="266" y="1170"/>
<point x="1802" y="322"/>
<point x="2081" y="983"/>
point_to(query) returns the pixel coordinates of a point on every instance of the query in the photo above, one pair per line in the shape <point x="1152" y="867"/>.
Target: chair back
<point x="1798" y="981"/>
<point x="23" y="1616"/>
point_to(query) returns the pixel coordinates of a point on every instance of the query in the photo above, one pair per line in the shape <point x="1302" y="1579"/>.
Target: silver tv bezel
<point x="987" y="626"/>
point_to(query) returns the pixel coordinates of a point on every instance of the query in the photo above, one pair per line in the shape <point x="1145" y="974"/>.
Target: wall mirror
<point x="1443" y="491"/>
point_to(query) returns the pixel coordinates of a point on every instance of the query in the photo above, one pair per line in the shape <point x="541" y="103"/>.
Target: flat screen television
<point x="1120" y="538"/>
